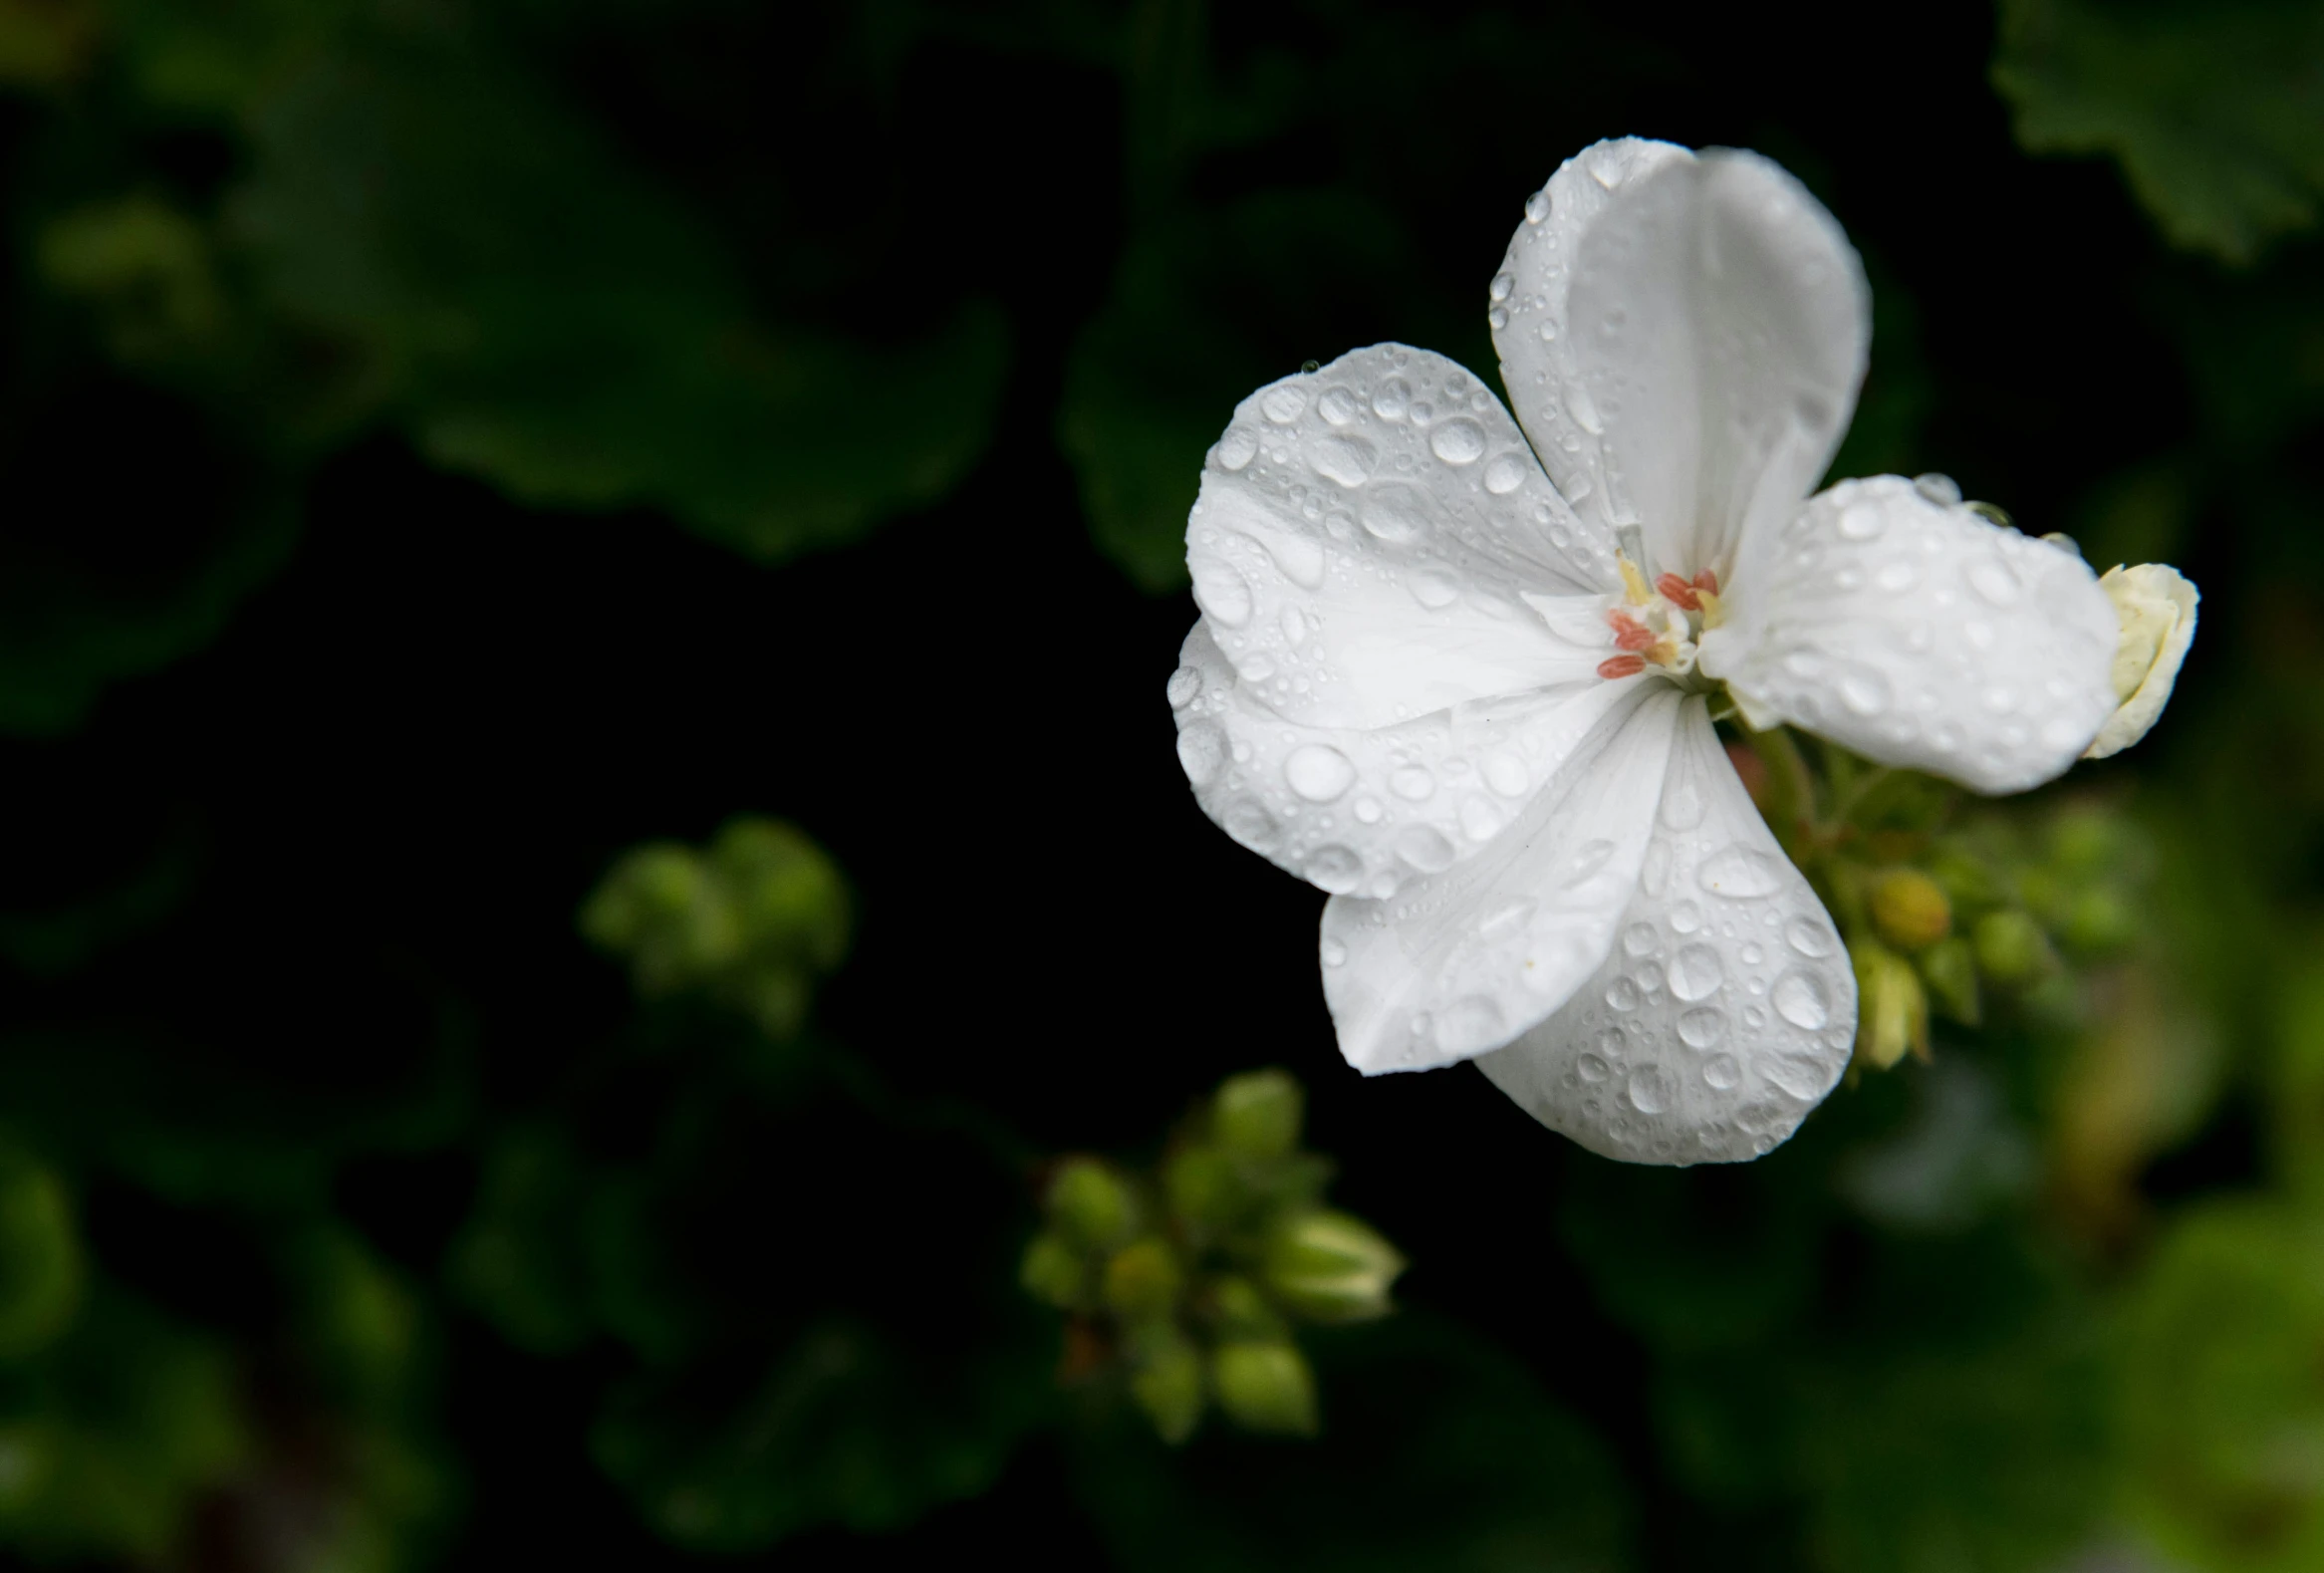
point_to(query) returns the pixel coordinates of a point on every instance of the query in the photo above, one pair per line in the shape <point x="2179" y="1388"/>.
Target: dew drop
<point x="1863" y="521"/>
<point x="1433" y="588"/>
<point x="1367" y="810"/>
<point x="1300" y="557"/>
<point x="1992" y="578"/>
<point x="1344" y="459"/>
<point x="1294" y="624"/>
<point x="1686" y="917"/>
<point x="1319" y="772"/>
<point x="1800" y="999"/>
<point x="1469" y="1025"/>
<point x="1864" y="690"/>
<point x="1504" y="474"/>
<point x="1393" y="400"/>
<point x="1537" y="207"/>
<point x="1695" y="973"/>
<point x="1943" y="490"/>
<point x="1395" y="513"/>
<point x="1640" y="939"/>
<point x="1739" y="873"/>
<point x="1587" y="861"/>
<point x="1335" y="868"/>
<point x="1802" y="1078"/>
<point x="1333" y="952"/>
<point x="1283" y="402"/>
<point x="1584" y="410"/>
<point x="1683" y="806"/>
<point x="1503" y="283"/>
<point x="1700" y="1029"/>
<point x="1412" y="783"/>
<point x="1185" y="687"/>
<point x="1649" y="1089"/>
<point x="1221" y="592"/>
<point x="1237" y="448"/>
<point x="1896" y="576"/>
<point x="1480" y="819"/>
<point x="1722" y="1072"/>
<point x="1202" y="753"/>
<point x="1507" y="919"/>
<point x="1460" y="440"/>
<point x="1591" y="1068"/>
<point x="1505" y="774"/>
<point x="1425" y="847"/>
<point x="1248" y="821"/>
<point x="1338" y="407"/>
<point x="1622" y="994"/>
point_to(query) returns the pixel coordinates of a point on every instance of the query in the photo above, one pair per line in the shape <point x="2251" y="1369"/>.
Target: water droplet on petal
<point x="1802" y="1078"/>
<point x="1334" y="953"/>
<point x="1587" y="861"/>
<point x="1469" y="1025"/>
<point x="1507" y="919"/>
<point x="1537" y="207"/>
<point x="1221" y="592"/>
<point x="1185" y="687"/>
<point x="1591" y="1068"/>
<point x="1649" y="1089"/>
<point x="1700" y="1029"/>
<point x="1201" y="751"/>
<point x="1237" y="448"/>
<point x="1722" y="1072"/>
<point x="1344" y="459"/>
<point x="1425" y="847"/>
<point x="1896" y="576"/>
<point x="1800" y="999"/>
<point x="1503" y="283"/>
<point x="1506" y="774"/>
<point x="1301" y="558"/>
<point x="1460" y="440"/>
<point x="1395" y="513"/>
<point x="1584" y="410"/>
<point x="1863" y="521"/>
<point x="1393" y="400"/>
<point x="1413" y="782"/>
<point x="1480" y="819"/>
<point x="1622" y="994"/>
<point x="1504" y="474"/>
<point x="1335" y="868"/>
<point x="1338" y="407"/>
<point x="1433" y="588"/>
<point x="1943" y="490"/>
<point x="1248" y="821"/>
<point x="1683" y="806"/>
<point x="1283" y="402"/>
<point x="1992" y="578"/>
<point x="1318" y="772"/>
<point x="1640" y="939"/>
<point x="1695" y="973"/>
<point x="1739" y="872"/>
<point x="1864" y="690"/>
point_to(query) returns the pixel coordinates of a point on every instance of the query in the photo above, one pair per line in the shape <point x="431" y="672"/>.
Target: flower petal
<point x="2155" y="606"/>
<point x="1683" y="338"/>
<point x="1361" y="811"/>
<point x="1917" y="633"/>
<point x="1727" y="1009"/>
<point x="1461" y="962"/>
<point x="1364" y="535"/>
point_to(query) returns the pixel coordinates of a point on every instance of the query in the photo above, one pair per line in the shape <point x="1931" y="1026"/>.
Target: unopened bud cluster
<point x="1185" y="1285"/>
<point x="750" y="921"/>
<point x="2002" y="908"/>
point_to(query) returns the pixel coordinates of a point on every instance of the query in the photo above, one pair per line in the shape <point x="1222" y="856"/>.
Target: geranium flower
<point x="1462" y="680"/>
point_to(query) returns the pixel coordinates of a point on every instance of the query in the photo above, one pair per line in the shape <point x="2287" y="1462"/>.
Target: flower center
<point x="1659" y="625"/>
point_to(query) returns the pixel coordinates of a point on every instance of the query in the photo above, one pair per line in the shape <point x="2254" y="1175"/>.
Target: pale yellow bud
<point x="1910" y="909"/>
<point x="2156" y="606"/>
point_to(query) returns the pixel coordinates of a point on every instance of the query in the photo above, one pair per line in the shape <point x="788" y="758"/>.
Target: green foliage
<point x="2214" y="111"/>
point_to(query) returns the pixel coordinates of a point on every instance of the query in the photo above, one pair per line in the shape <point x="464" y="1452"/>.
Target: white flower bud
<point x="2157" y="606"/>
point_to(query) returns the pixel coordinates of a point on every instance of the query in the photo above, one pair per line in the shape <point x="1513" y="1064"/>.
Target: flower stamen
<point x="1622" y="666"/>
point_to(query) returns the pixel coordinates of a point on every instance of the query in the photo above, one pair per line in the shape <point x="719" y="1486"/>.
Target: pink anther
<point x="1707" y="580"/>
<point x="1629" y="632"/>
<point x="1678" y="591"/>
<point x="1622" y="666"/>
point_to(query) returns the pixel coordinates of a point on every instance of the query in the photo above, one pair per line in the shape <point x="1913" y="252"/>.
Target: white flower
<point x="1459" y="678"/>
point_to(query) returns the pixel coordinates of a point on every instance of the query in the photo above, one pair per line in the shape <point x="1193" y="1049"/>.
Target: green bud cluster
<point x="752" y="920"/>
<point x="1186" y="1286"/>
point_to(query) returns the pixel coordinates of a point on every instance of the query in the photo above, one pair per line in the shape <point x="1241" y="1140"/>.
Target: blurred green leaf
<point x="1436" y="1450"/>
<point x="2215" y="109"/>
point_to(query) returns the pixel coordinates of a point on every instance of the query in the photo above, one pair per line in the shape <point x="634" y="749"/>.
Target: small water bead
<point x="1752" y="955"/>
<point x="1412" y="783"/>
<point x="1433" y="588"/>
<point x="1344" y="459"/>
<point x="1460" y="440"/>
<point x="1896" y="576"/>
<point x="1640" y="939"/>
<point x="1425" y="848"/>
<point x="1591" y="1069"/>
<point x="1283" y="404"/>
<point x="1294" y="625"/>
<point x="1506" y="774"/>
<point x="1696" y="973"/>
<point x="1537" y="207"/>
<point x="1992" y="579"/>
<point x="1503" y="283"/>
<point x="1622" y="994"/>
<point x="1943" y="490"/>
<point x="1392" y="399"/>
<point x="1701" y="1028"/>
<point x="1223" y="595"/>
<point x="1504" y="474"/>
<point x="1256" y="666"/>
<point x="1480" y="820"/>
<point x="1864" y="690"/>
<point x="1237" y="448"/>
<point x="1333" y="952"/>
<point x="1721" y="1073"/>
<point x="1338" y="407"/>
<point x="1804" y="1079"/>
<point x="1202" y="752"/>
<point x="1395" y="513"/>
<point x="1649" y="1089"/>
<point x="1367" y="810"/>
<point x="1469" y="1025"/>
<point x="1335" y="868"/>
<point x="1497" y="319"/>
<point x="1319" y="772"/>
<point x="1648" y="978"/>
<point x="1800" y="999"/>
<point x="1587" y="859"/>
<point x="1686" y="917"/>
<point x="1683" y="806"/>
<point x="1300" y="557"/>
<point x="1185" y="687"/>
<point x="1247" y="821"/>
<point x="1754" y="1018"/>
<point x="1863" y="521"/>
<point x="1508" y="917"/>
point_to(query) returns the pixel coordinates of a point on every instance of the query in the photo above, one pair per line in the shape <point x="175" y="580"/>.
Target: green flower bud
<point x="1892" y="1009"/>
<point x="1910" y="909"/>
<point x="1949" y="968"/>
<point x="2012" y="948"/>
<point x="2100" y="921"/>
<point x="1239" y="1310"/>
<point x="1143" y="1280"/>
<point x="1205" y="1194"/>
<point x="1331" y="1267"/>
<point x="1265" y="1386"/>
<point x="1090" y="1204"/>
<point x="1054" y="1272"/>
<point x="1168" y="1384"/>
<point x="1257" y="1115"/>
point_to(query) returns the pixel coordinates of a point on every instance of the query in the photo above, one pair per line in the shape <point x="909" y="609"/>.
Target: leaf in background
<point x="1436" y="1452"/>
<point x="569" y="331"/>
<point x="2221" y="1390"/>
<point x="2214" y="108"/>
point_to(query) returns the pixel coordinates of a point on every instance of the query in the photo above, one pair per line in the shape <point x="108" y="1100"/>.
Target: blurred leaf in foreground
<point x="2214" y="108"/>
